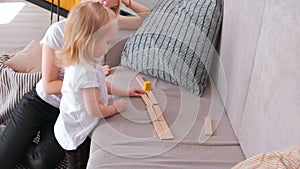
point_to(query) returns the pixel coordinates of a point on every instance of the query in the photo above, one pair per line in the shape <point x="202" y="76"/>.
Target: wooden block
<point x="167" y="134"/>
<point x="158" y="113"/>
<point x="152" y="97"/>
<point x="140" y="80"/>
<point x="146" y="100"/>
<point x="158" y="129"/>
<point x="208" y="126"/>
<point x="161" y="127"/>
<point x="162" y="134"/>
<point x="151" y="113"/>
<point x="147" y="85"/>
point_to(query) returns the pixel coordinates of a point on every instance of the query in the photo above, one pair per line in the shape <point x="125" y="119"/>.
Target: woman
<point x="38" y="109"/>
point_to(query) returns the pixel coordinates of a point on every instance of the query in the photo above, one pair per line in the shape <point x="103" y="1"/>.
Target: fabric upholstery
<point x="176" y="42"/>
<point x="271" y="114"/>
<point x="259" y="53"/>
<point x="129" y="137"/>
<point x="240" y="33"/>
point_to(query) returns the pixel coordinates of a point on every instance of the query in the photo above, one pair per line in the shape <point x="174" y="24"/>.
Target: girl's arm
<point x="95" y="108"/>
<point x="50" y="72"/>
<point x="133" y="22"/>
<point x="114" y="90"/>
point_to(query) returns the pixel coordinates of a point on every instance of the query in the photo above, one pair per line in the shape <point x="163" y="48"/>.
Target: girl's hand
<point x="136" y="92"/>
<point x="120" y="105"/>
<point x="106" y="69"/>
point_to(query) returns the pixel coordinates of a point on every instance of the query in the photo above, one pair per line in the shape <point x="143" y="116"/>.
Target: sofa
<point x="251" y="96"/>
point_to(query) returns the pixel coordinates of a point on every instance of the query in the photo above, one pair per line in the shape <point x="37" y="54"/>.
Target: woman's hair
<point x="83" y="21"/>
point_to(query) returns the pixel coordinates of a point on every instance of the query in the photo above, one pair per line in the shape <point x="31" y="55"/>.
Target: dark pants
<point x="32" y="115"/>
<point x="77" y="159"/>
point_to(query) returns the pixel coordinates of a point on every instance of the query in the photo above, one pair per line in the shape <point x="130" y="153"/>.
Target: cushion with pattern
<point x="176" y="42"/>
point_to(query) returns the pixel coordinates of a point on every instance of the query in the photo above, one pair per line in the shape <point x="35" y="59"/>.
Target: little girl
<point x="89" y="28"/>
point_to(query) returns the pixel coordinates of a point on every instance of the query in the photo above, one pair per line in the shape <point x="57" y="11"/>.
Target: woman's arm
<point x="136" y="7"/>
<point x="94" y="108"/>
<point x="130" y="22"/>
<point x="133" y="22"/>
<point x="50" y="72"/>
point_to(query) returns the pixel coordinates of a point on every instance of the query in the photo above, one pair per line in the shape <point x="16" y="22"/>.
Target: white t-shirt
<point x="53" y="38"/>
<point x="74" y="124"/>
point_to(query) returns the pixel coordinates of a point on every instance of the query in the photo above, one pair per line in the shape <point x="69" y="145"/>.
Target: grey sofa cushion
<point x="176" y="42"/>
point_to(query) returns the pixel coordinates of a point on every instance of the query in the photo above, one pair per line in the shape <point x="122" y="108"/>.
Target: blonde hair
<point x="116" y="10"/>
<point x="82" y="22"/>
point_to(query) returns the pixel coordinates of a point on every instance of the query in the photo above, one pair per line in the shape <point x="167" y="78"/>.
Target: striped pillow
<point x="288" y="158"/>
<point x="176" y="42"/>
<point x="12" y="87"/>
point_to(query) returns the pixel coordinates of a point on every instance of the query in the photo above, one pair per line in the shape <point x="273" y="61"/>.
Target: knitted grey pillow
<point x="176" y="42"/>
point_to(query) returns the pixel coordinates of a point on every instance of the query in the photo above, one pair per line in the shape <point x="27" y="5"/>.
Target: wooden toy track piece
<point x="158" y="129"/>
<point x="208" y="126"/>
<point x="159" y="123"/>
<point x="160" y="126"/>
<point x="152" y="97"/>
<point x="146" y="100"/>
<point x="140" y="80"/>
<point x="166" y="134"/>
<point x="151" y="113"/>
<point x="158" y="113"/>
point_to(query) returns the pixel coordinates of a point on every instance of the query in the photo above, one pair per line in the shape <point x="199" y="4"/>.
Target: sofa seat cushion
<point x="128" y="140"/>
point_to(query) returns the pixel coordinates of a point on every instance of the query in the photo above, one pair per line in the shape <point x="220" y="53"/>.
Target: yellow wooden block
<point x="147" y="85"/>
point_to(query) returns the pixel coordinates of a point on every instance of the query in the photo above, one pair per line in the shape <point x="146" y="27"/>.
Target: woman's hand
<point x="127" y="2"/>
<point x="135" y="92"/>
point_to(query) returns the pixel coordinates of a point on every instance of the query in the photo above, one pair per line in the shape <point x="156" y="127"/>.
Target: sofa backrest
<point x="260" y="50"/>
